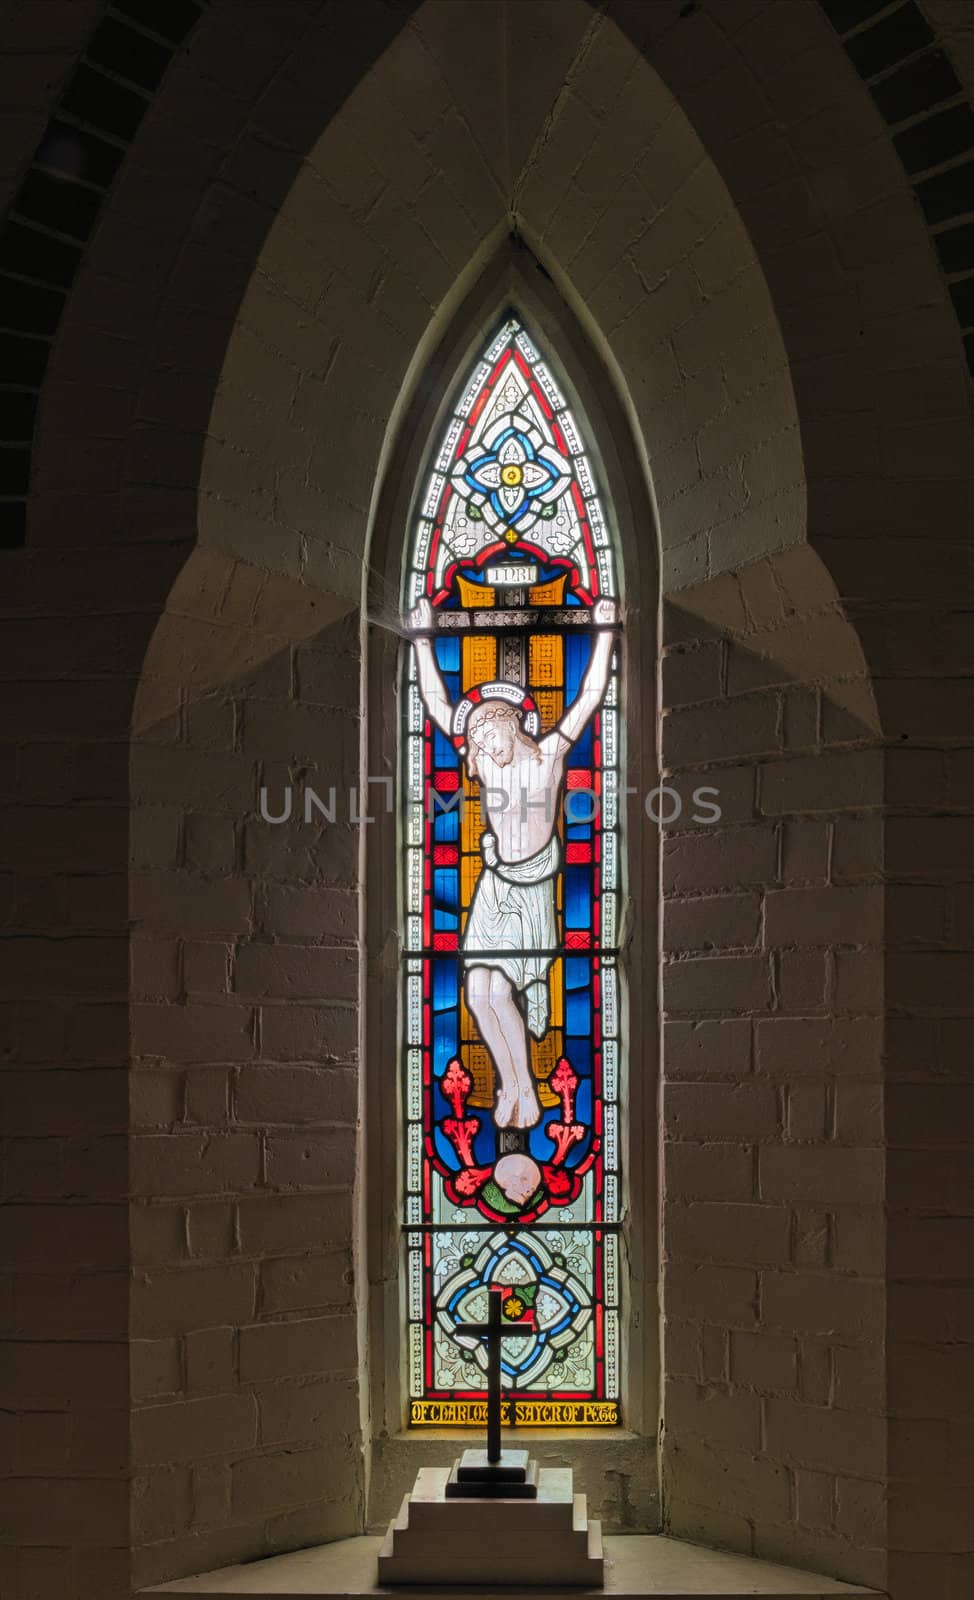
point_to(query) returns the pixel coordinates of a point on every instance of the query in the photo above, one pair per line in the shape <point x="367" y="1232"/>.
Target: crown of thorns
<point x="495" y="699"/>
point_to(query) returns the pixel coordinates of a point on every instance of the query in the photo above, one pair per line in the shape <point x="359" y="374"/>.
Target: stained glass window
<point x="513" y="862"/>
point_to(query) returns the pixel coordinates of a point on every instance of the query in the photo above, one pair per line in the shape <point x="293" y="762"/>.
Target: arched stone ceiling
<point x="886" y="43"/>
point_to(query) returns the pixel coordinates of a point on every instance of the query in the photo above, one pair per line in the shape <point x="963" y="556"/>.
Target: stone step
<point x="457" y="1549"/>
<point x="532" y="1569"/>
<point x="475" y="1554"/>
<point x="553" y="1509"/>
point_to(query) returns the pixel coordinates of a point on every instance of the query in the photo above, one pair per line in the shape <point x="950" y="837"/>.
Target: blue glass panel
<point x="444" y="1149"/>
<point x="444" y="752"/>
<point x="578" y="972"/>
<point x="448" y="654"/>
<point x="578" y="897"/>
<point x="446" y="824"/>
<point x="579" y="1054"/>
<point x="539" y="1144"/>
<point x="581" y="756"/>
<point x="446" y="887"/>
<point x="485" y="1141"/>
<point x="583" y="1101"/>
<point x="444" y="1040"/>
<point x="445" y="803"/>
<point x="579" y="832"/>
<point x="444" y="984"/>
<point x="577" y="651"/>
<point x="578" y="1012"/>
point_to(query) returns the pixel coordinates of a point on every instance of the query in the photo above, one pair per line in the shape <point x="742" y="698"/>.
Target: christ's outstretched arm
<point x="596" y="678"/>
<point x="431" y="687"/>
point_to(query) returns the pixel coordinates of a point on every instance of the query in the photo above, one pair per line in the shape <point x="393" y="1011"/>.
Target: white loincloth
<point x="513" y="910"/>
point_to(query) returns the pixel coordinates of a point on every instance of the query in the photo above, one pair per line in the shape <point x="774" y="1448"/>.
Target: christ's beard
<point x="500" y="758"/>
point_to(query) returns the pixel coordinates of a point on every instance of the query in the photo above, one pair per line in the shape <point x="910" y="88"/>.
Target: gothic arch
<point x="192" y="486"/>
<point x="512" y="277"/>
<point x="325" y="348"/>
<point x="140" y="56"/>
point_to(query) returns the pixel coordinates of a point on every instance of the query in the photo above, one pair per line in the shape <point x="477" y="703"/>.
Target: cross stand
<point x="493" y="1472"/>
<point x="495" y="1518"/>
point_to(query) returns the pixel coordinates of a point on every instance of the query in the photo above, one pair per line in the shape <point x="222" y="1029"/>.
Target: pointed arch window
<point x="513" y="866"/>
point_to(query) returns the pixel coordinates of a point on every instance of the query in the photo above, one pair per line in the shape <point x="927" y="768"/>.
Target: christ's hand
<point x="420" y="619"/>
<point x="604" y="615"/>
<point x="431" y="686"/>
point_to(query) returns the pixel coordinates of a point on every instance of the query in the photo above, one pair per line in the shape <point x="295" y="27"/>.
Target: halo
<point x="510" y="693"/>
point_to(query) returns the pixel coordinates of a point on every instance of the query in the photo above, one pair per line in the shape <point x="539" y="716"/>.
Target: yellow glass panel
<point x="527" y="1413"/>
<point x="481" y="1070"/>
<point x="545" y="660"/>
<point x="469" y="873"/>
<point x="468" y="1028"/>
<point x="556" y="985"/>
<point x="550" y="703"/>
<point x="549" y="594"/>
<point x="478" y="662"/>
<point x="474" y="594"/>
<point x="544" y="1059"/>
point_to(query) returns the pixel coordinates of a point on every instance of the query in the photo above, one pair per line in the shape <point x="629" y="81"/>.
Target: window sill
<point x="615" y="1467"/>
<point x="664" y="1568"/>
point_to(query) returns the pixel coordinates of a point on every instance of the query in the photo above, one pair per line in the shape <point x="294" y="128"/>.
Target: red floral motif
<point x="467" y="1183"/>
<point x="564" y="1082"/>
<point x="461" y="1135"/>
<point x="456" y="1087"/>
<point x="561" y="1186"/>
<point x="564" y="1135"/>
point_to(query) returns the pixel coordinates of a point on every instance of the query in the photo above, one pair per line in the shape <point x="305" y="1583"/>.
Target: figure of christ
<point x="513" y="906"/>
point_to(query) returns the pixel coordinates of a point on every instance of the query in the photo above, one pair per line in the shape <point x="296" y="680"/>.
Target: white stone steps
<point x="553" y="1509"/>
<point x="507" y="1543"/>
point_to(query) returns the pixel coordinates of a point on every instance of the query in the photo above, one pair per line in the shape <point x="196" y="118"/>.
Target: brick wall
<point x="67" y="681"/>
<point x="244" y="1083"/>
<point x="774" y="1167"/>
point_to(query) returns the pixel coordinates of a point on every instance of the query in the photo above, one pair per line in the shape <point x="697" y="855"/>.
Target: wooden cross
<point x="493" y="1331"/>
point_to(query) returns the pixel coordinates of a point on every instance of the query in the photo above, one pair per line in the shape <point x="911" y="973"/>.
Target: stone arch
<point x="618" y="1472"/>
<point x="909" y="99"/>
<point x="158" y="299"/>
<point x="720" y="421"/>
<point x="282" y="512"/>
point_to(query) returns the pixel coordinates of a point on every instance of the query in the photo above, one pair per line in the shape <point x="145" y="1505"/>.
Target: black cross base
<point x="492" y="1472"/>
<point x="473" y="1477"/>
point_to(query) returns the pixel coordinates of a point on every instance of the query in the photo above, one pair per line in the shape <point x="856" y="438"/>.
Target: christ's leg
<point x="526" y="1110"/>
<point x="495" y="1011"/>
<point x="480" y="999"/>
